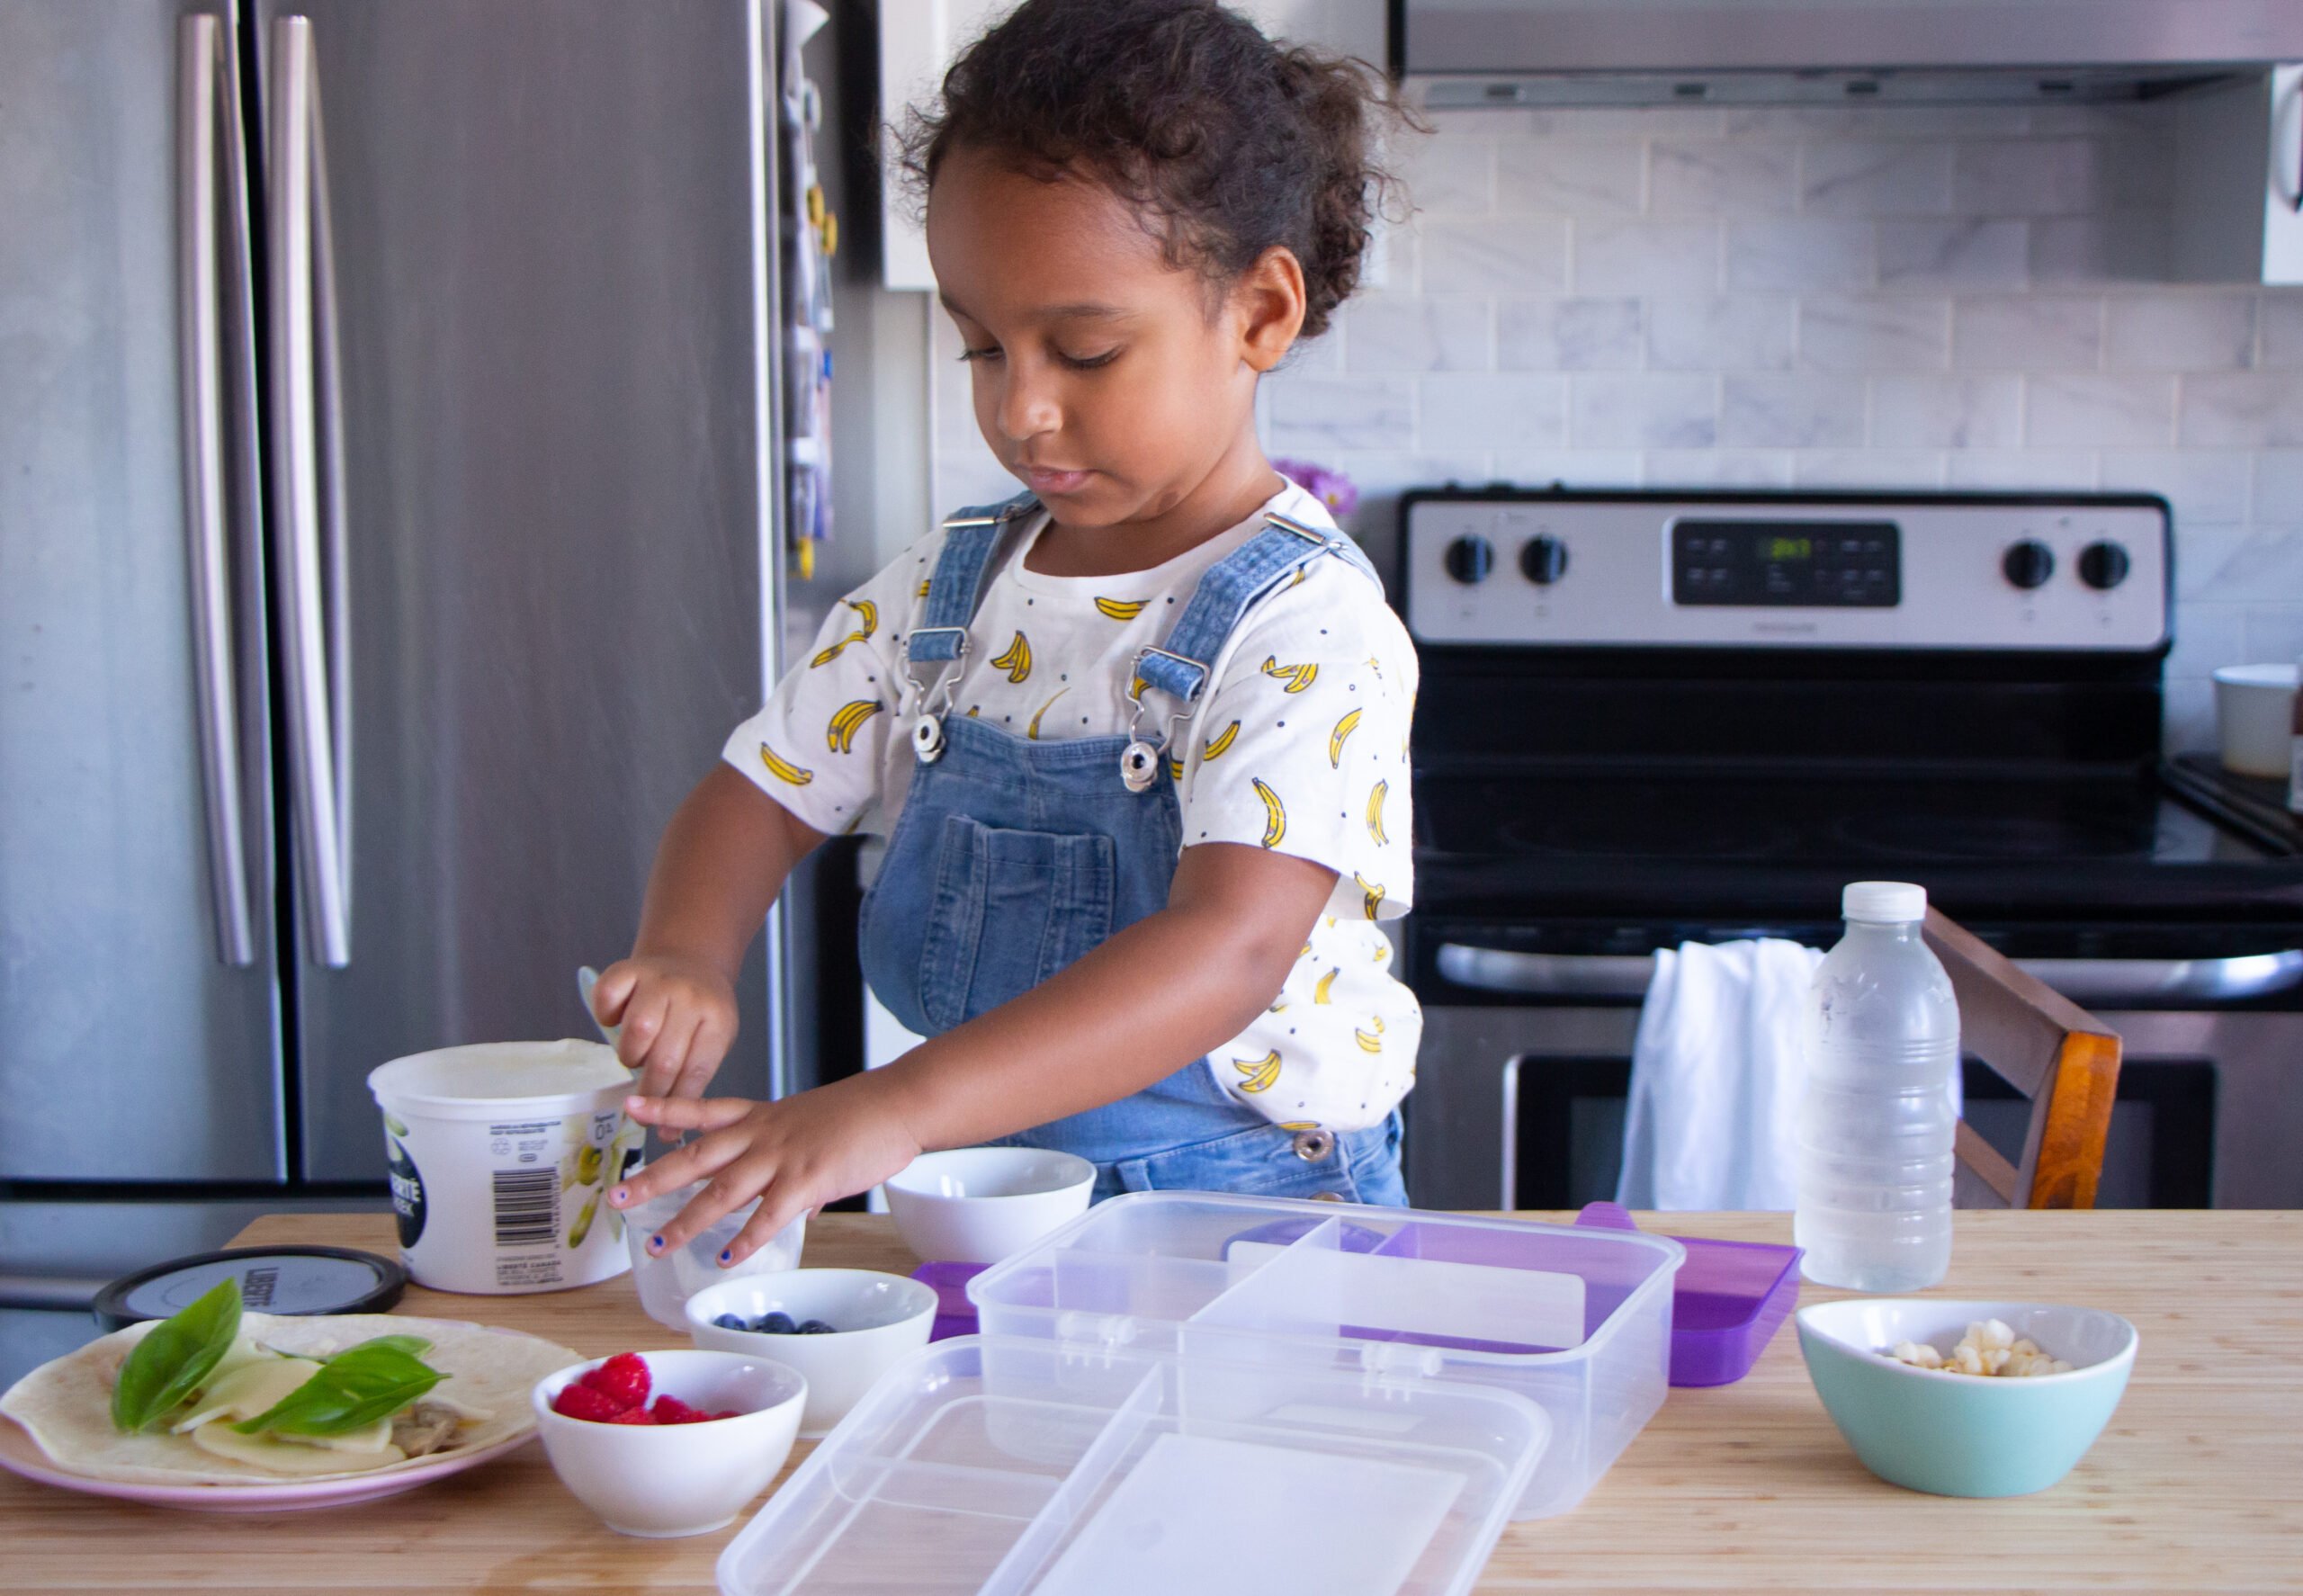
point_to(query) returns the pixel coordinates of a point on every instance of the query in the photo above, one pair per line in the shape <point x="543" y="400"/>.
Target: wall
<point x="1940" y="299"/>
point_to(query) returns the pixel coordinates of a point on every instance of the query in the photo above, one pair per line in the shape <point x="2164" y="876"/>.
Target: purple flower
<point x="1332" y="489"/>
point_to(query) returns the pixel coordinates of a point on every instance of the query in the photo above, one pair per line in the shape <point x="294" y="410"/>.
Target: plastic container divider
<point x="1729" y="1300"/>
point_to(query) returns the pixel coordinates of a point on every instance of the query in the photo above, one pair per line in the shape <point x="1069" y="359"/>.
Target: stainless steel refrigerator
<point x="387" y="543"/>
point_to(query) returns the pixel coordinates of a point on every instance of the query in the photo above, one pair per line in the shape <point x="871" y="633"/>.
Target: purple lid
<point x="1727" y="1301"/>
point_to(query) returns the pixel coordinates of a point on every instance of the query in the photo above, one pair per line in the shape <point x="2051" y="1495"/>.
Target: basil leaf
<point x="352" y="1391"/>
<point x="174" y="1356"/>
<point x="414" y="1346"/>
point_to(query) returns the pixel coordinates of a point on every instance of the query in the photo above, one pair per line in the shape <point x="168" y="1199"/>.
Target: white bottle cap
<point x="1884" y="903"/>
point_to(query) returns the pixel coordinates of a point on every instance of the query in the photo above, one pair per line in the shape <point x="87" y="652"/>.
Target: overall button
<point x="1313" y="1146"/>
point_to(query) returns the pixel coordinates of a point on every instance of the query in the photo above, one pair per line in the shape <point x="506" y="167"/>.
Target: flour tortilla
<point x="66" y="1405"/>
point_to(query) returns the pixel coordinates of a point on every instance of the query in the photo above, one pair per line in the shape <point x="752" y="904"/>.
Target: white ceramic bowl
<point x="678" y="1479"/>
<point x="877" y="1319"/>
<point x="666" y="1283"/>
<point x="1965" y="1435"/>
<point x="977" y="1205"/>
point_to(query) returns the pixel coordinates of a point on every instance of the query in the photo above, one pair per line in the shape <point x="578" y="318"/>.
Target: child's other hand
<point x="796" y="1155"/>
<point x="678" y="1016"/>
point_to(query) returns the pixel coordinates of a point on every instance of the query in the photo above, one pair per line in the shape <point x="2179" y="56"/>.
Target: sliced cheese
<point x="250" y="1389"/>
<point x="280" y="1457"/>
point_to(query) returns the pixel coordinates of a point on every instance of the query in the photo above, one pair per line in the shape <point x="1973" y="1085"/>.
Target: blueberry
<point x="777" y="1323"/>
<point x="731" y="1322"/>
<point x="816" y="1327"/>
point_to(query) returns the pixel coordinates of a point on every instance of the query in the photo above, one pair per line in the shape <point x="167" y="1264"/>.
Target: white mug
<point x="2254" y="717"/>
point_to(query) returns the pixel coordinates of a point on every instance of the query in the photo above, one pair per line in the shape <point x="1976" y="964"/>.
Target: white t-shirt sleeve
<point x="1301" y="746"/>
<point x="819" y="746"/>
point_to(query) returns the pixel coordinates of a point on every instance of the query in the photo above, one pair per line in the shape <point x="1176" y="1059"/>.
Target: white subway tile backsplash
<point x="2275" y="633"/>
<point x="1494" y="412"/>
<point x="1561" y="177"/>
<point x="2208" y="632"/>
<point x="2278" y="485"/>
<point x="1874" y="333"/>
<point x="1572" y="468"/>
<point x="1800" y="254"/>
<point x="1645" y="257"/>
<point x="2123" y="246"/>
<point x="1805" y="412"/>
<point x="1874" y="178"/>
<point x="1383" y="472"/>
<point x="2185" y="333"/>
<point x="2020" y="471"/>
<point x="1320" y="356"/>
<point x="1967" y="253"/>
<point x="1644" y="411"/>
<point x="2204" y="487"/>
<point x="1863" y="469"/>
<point x="1749" y="332"/>
<point x="1319" y="416"/>
<point x="2027" y="333"/>
<point x="1446" y="176"/>
<point x="2268" y="563"/>
<point x="1716" y="467"/>
<point x="2280" y="322"/>
<point x="1493" y="256"/>
<point x="2187" y="714"/>
<point x="1631" y="122"/>
<point x="2025" y="177"/>
<point x="2243" y="410"/>
<point x="1963" y="412"/>
<point x="1879" y="121"/>
<point x="1405" y="335"/>
<point x="1569" y="335"/>
<point x="1715" y="179"/>
<point x="2067" y="411"/>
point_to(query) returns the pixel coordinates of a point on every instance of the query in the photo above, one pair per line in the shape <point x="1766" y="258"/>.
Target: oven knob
<point x="2029" y="564"/>
<point x="1470" y="559"/>
<point x="1544" y="560"/>
<point x="2103" y="566"/>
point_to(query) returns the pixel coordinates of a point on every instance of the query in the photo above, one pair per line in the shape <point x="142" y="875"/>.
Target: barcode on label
<point x="527" y="1207"/>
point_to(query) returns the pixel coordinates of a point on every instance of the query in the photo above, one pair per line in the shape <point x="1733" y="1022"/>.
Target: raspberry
<point x="730" y="1413"/>
<point x="635" y="1416"/>
<point x="671" y="1410"/>
<point x="581" y="1402"/>
<point x="622" y="1379"/>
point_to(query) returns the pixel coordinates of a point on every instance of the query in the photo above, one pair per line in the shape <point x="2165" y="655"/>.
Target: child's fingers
<point x="696" y="1161"/>
<point x="643" y="1021"/>
<point x="661" y="1072"/>
<point x="613" y="990"/>
<point x="687" y="1114"/>
<point x="779" y="1206"/>
<point x="707" y="1044"/>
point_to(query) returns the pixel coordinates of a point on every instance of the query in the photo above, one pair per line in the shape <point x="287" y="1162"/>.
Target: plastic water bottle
<point x="1876" y="1126"/>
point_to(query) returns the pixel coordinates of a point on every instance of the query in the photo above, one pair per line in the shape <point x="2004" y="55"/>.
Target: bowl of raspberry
<point x="662" y="1444"/>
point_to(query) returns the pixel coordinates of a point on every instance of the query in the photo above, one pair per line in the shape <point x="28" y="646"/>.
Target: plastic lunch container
<point x="1576" y="1319"/>
<point x="1729" y="1300"/>
<point x="1008" y="1465"/>
<point x="499" y="1154"/>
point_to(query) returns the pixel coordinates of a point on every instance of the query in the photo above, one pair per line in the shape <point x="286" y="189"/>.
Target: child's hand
<point x="801" y="1152"/>
<point x="678" y="1016"/>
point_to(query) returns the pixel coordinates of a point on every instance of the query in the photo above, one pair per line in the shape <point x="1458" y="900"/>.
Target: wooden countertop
<point x="2197" y="1483"/>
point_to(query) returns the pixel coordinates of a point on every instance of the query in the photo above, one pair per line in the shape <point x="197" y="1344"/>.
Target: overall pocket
<point x="1010" y="910"/>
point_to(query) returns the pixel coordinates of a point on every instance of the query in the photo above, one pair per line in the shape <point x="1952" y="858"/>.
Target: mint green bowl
<point x="1962" y="1435"/>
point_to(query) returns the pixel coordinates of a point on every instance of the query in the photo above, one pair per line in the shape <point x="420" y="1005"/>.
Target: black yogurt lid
<point x="293" y="1280"/>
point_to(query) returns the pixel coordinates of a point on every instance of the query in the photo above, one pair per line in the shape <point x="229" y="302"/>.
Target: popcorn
<point x="1991" y="1347"/>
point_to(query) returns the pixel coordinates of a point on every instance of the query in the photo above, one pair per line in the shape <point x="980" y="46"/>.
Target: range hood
<point x="1645" y="52"/>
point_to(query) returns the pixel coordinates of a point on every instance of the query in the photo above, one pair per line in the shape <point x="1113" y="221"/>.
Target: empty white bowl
<point x="1965" y="1435"/>
<point x="876" y="1319"/>
<point x="977" y="1205"/>
<point x="667" y="1283"/>
<point x="678" y="1479"/>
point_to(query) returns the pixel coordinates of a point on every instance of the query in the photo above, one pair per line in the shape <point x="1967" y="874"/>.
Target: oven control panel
<point x="1950" y="571"/>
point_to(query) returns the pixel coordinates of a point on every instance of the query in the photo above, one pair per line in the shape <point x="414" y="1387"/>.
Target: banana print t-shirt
<point x="1299" y="745"/>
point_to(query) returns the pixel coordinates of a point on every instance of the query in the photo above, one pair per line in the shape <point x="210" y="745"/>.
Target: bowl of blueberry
<point x="840" y="1328"/>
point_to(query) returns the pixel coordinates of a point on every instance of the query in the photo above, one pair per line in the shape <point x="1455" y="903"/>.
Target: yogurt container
<point x="500" y="1156"/>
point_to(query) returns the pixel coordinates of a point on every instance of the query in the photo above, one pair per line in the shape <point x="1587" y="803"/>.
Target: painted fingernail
<point x="727" y="1255"/>
<point x="655" y="1243"/>
<point x="619" y="1196"/>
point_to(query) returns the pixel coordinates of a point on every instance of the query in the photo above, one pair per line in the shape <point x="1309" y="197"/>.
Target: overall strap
<point x="1231" y="588"/>
<point x="962" y="570"/>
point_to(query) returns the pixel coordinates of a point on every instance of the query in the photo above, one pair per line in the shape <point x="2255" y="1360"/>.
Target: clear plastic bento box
<point x="985" y="1466"/>
<point x="1576" y="1319"/>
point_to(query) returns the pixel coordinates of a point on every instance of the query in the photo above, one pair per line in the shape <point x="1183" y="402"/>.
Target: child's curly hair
<point x="1227" y="143"/>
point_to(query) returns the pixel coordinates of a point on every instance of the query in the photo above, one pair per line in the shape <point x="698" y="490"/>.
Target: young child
<point x="1138" y="736"/>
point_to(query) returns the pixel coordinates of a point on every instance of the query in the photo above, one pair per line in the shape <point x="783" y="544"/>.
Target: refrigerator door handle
<point x="308" y="492"/>
<point x="200" y="46"/>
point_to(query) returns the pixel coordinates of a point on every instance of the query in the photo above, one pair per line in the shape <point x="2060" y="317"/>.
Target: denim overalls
<point x="1013" y="857"/>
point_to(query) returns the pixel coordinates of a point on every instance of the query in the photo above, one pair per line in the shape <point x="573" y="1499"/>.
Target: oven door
<point x="1527" y="1058"/>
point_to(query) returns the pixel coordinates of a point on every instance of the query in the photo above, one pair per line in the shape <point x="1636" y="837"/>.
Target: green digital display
<point x="1787" y="548"/>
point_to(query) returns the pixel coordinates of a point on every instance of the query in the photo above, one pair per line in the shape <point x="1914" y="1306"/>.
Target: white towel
<point x="1717" y="1074"/>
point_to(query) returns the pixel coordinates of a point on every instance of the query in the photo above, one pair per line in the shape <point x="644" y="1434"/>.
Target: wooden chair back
<point x="2048" y="1048"/>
